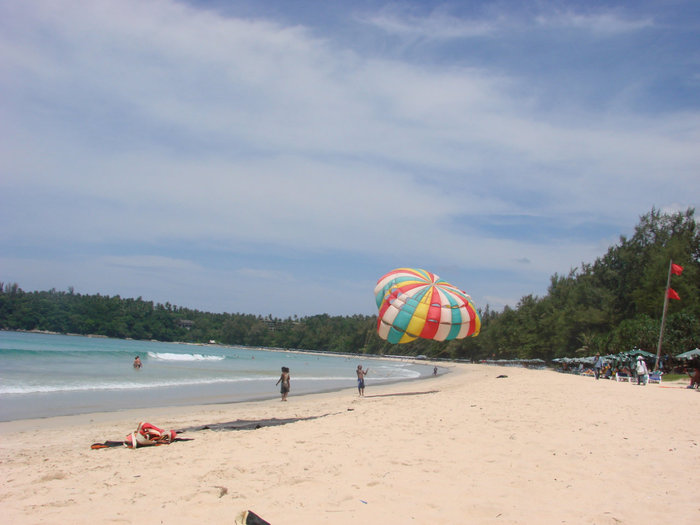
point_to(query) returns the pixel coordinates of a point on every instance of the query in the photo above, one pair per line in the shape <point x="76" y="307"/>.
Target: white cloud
<point x="439" y="23"/>
<point x="149" y="263"/>
<point x="267" y="275"/>
<point x="603" y="23"/>
<point x="156" y="125"/>
<point x="436" y="25"/>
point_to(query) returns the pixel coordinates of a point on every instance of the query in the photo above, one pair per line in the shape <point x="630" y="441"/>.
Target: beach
<point x="468" y="446"/>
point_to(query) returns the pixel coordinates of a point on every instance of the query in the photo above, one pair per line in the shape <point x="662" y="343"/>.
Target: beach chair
<point x="655" y="377"/>
<point x="622" y="379"/>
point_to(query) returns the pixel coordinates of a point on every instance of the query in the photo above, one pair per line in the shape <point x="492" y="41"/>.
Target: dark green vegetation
<point x="612" y="305"/>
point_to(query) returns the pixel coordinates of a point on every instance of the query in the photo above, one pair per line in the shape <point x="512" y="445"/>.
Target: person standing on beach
<point x="694" y="378"/>
<point x="137" y="363"/>
<point x="597" y="366"/>
<point x="361" y="380"/>
<point x="642" y="371"/>
<point x="285" y="380"/>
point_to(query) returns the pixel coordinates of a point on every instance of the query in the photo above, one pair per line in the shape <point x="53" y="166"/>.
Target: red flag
<point x="671" y="293"/>
<point x="676" y="269"/>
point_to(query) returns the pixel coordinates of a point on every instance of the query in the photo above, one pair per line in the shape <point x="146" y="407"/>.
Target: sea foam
<point x="165" y="356"/>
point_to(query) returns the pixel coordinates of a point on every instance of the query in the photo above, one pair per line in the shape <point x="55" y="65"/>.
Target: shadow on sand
<point x="405" y="394"/>
<point x="248" y="424"/>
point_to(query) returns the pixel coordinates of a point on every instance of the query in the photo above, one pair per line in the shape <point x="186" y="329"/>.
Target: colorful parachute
<point x="416" y="303"/>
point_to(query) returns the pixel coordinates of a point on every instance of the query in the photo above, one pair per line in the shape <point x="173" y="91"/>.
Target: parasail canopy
<point x="416" y="303"/>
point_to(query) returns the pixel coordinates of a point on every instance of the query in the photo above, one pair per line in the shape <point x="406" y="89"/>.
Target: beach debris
<point x="222" y="490"/>
<point x="405" y="393"/>
<point x="113" y="444"/>
<point x="145" y="435"/>
<point x="502" y="375"/>
<point x="416" y="303"/>
<point x="249" y="424"/>
<point x="248" y="517"/>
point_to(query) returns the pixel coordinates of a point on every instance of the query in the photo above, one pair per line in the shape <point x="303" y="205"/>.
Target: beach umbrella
<point x="416" y="303"/>
<point x="635" y="352"/>
<point x="690" y="354"/>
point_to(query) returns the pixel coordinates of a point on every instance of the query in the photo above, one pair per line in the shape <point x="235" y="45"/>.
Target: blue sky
<point x="279" y="157"/>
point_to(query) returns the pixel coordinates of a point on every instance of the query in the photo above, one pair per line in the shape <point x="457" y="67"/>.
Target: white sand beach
<point x="465" y="447"/>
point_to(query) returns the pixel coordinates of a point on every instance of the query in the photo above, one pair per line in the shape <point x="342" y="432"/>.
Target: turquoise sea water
<point x="45" y="375"/>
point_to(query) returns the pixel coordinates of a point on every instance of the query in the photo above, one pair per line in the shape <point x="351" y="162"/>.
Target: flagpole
<point x="663" y="316"/>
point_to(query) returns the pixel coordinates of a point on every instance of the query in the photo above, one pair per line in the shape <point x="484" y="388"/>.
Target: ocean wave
<point x="392" y="372"/>
<point x="167" y="356"/>
<point x="25" y="389"/>
<point x="43" y="389"/>
<point x="62" y="353"/>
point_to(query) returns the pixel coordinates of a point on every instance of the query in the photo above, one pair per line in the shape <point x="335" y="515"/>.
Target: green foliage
<point x="667" y="378"/>
<point x="68" y="312"/>
<point x="612" y="305"/>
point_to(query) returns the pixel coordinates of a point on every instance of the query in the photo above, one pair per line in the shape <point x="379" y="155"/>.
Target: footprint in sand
<point x="52" y="476"/>
<point x="65" y="503"/>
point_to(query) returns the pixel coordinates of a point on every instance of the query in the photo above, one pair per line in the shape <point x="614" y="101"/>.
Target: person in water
<point x="285" y="380"/>
<point x="137" y="363"/>
<point x="361" y="380"/>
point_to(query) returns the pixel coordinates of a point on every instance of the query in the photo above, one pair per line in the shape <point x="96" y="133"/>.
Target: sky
<point x="279" y="157"/>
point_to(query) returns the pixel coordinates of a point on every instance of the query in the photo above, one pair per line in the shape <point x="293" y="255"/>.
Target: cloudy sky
<point x="278" y="157"/>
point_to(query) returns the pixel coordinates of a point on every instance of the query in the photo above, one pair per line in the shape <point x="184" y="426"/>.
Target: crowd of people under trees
<point x="636" y="369"/>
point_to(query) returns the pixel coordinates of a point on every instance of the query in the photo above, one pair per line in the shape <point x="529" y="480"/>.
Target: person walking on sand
<point x="642" y="371"/>
<point x="694" y="377"/>
<point x="137" y="363"/>
<point x="597" y="366"/>
<point x="285" y="380"/>
<point x="361" y="380"/>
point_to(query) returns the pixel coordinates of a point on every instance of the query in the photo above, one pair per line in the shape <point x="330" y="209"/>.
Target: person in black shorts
<point x="285" y="380"/>
<point x="361" y="379"/>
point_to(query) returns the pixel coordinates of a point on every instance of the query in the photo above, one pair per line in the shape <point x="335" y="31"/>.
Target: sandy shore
<point x="466" y="447"/>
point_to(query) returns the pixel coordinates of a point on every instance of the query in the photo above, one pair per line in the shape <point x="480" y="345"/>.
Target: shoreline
<point x="204" y="405"/>
<point x="185" y="411"/>
<point x="236" y="382"/>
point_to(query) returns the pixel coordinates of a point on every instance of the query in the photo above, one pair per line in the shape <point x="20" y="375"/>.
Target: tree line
<point x="610" y="305"/>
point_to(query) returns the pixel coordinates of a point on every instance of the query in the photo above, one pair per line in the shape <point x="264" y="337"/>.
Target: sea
<point x="44" y="375"/>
